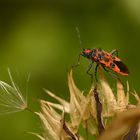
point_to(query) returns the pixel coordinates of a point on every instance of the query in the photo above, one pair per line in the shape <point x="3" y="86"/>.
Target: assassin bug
<point x="109" y="61"/>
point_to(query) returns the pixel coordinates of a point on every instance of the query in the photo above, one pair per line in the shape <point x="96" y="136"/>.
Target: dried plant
<point x="11" y="98"/>
<point x="102" y="113"/>
<point x="93" y="112"/>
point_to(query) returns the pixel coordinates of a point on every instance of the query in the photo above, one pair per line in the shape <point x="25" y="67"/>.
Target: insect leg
<point x="113" y="75"/>
<point x="114" y="52"/>
<point x="96" y="68"/>
<point x="110" y="73"/>
<point x="78" y="61"/>
<point x="88" y="70"/>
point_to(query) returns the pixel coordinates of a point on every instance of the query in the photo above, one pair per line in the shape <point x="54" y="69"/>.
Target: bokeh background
<point x="40" y="37"/>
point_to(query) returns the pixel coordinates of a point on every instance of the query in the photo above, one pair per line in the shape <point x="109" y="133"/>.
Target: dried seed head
<point x="52" y="122"/>
<point x="11" y="98"/>
<point x="89" y="111"/>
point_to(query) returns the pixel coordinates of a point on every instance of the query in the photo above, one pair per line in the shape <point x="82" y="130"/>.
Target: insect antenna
<point x="79" y="36"/>
<point x="80" y="43"/>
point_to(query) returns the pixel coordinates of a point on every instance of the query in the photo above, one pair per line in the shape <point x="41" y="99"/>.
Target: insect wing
<point x="123" y="68"/>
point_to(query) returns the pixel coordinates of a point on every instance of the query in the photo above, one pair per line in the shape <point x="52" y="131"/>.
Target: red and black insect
<point x="109" y="61"/>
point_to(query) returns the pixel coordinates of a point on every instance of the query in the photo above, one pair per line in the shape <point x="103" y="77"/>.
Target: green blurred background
<point x="40" y="37"/>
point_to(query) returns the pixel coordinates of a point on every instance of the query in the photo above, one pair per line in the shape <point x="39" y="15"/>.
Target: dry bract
<point x="90" y="113"/>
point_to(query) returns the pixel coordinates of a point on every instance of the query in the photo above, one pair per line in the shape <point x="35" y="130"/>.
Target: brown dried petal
<point x="51" y="122"/>
<point x="108" y="99"/>
<point x="77" y="100"/>
<point x="64" y="105"/>
<point x="121" y="97"/>
<point x="121" y="125"/>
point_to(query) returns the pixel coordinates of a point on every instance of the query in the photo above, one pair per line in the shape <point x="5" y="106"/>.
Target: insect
<point x="110" y="62"/>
